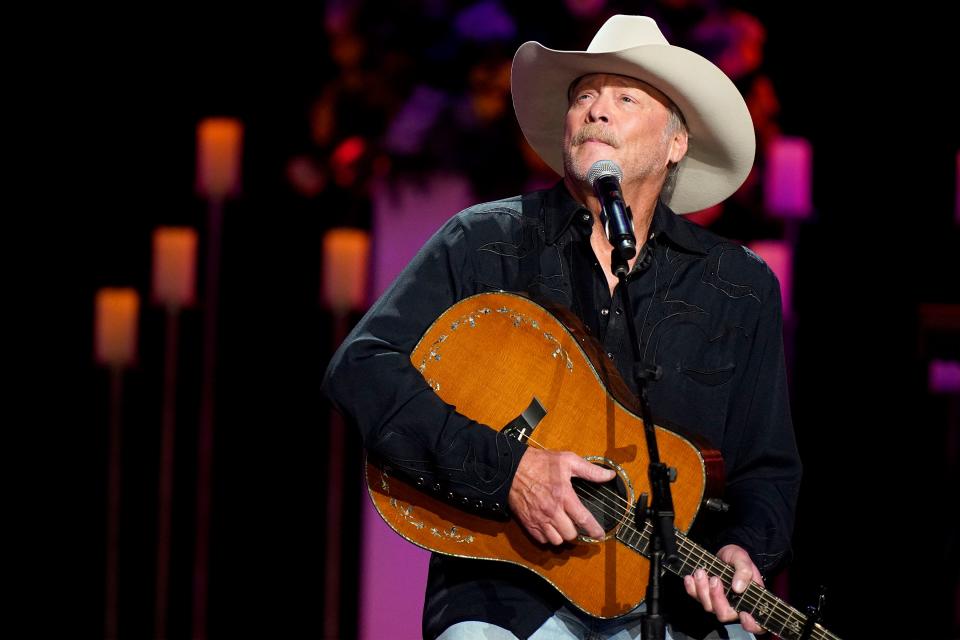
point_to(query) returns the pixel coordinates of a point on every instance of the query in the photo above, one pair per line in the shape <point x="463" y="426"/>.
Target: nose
<point x="600" y="109"/>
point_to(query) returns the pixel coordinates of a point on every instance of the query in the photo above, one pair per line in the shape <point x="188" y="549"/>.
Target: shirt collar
<point x="679" y="232"/>
<point x="561" y="209"/>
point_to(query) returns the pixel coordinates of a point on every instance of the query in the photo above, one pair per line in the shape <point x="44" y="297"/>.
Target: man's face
<point x="617" y="118"/>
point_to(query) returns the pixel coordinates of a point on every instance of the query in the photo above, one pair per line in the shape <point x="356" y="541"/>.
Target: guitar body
<point x="491" y="356"/>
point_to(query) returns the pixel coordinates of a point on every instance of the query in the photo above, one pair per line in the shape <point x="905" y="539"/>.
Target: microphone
<point x="604" y="177"/>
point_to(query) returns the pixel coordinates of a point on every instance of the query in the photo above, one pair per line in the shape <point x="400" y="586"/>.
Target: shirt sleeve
<point x="403" y="422"/>
<point x="763" y="466"/>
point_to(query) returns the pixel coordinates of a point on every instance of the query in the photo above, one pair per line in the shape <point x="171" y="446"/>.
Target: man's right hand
<point x="543" y="500"/>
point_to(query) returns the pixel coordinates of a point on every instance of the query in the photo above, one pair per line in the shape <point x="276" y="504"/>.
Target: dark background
<point x="112" y="104"/>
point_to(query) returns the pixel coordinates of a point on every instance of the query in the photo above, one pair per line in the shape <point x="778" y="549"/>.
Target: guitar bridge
<point x="523" y="425"/>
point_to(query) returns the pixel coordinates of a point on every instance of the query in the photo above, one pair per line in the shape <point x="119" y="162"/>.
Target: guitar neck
<point x="768" y="610"/>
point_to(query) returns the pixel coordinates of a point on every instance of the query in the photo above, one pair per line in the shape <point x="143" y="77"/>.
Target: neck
<point x="641" y="199"/>
<point x="642" y="205"/>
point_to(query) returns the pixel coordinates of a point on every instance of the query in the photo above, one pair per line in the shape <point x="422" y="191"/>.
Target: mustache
<point x="595" y="132"/>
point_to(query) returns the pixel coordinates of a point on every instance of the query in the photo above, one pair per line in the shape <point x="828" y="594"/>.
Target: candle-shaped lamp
<point x="956" y="189"/>
<point x="787" y="180"/>
<point x="346" y="256"/>
<point x="779" y="257"/>
<point x="174" y="266"/>
<point x="115" y="346"/>
<point x="944" y="377"/>
<point x="219" y="153"/>
<point x="115" y="336"/>
<point x="174" y="287"/>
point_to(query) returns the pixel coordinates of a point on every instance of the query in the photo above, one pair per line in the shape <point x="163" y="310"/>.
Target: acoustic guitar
<point x="504" y="360"/>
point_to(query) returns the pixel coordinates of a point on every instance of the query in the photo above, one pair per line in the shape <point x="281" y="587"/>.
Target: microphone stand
<point x="662" y="548"/>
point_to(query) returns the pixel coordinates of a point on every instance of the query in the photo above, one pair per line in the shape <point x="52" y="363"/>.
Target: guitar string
<point x="781" y="612"/>
<point x="719" y="567"/>
<point x="726" y="571"/>
<point x="818" y="631"/>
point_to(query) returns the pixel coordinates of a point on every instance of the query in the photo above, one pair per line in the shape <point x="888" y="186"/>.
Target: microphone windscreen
<point x="602" y="169"/>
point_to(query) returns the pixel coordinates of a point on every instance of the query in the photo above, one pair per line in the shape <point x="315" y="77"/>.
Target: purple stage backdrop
<point x="394" y="572"/>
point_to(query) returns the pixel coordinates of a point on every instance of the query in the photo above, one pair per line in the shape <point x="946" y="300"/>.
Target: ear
<point x="678" y="147"/>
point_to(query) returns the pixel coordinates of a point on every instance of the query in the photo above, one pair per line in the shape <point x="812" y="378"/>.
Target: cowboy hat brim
<point x="722" y="141"/>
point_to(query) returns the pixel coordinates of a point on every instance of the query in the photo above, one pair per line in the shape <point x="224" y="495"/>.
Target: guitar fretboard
<point x="768" y="610"/>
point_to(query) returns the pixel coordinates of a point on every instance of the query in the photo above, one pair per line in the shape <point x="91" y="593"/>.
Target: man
<point x="708" y="312"/>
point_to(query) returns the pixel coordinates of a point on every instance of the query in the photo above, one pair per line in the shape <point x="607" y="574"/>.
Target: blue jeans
<point x="566" y="624"/>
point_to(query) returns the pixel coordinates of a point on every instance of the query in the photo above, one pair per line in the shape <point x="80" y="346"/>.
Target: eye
<point x="627" y="98"/>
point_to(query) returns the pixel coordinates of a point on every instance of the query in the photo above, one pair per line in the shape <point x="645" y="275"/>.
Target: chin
<point x="575" y="171"/>
<point x="580" y="167"/>
<point x="588" y="160"/>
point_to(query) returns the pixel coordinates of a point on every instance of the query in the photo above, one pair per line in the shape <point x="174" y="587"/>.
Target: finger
<point x="588" y="471"/>
<point x="584" y="520"/>
<point x="722" y="608"/>
<point x="741" y="579"/>
<point x="564" y="526"/>
<point x="535" y="530"/>
<point x="749" y="624"/>
<point x="537" y="535"/>
<point x="702" y="590"/>
<point x="744" y="568"/>
<point x="552" y="535"/>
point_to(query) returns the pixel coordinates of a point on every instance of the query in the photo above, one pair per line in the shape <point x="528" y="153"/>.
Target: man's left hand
<point x="710" y="592"/>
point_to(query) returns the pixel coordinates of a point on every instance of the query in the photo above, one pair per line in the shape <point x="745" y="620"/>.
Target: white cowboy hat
<point x="722" y="142"/>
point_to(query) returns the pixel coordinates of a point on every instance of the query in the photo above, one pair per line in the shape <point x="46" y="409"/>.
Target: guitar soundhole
<point x="606" y="501"/>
